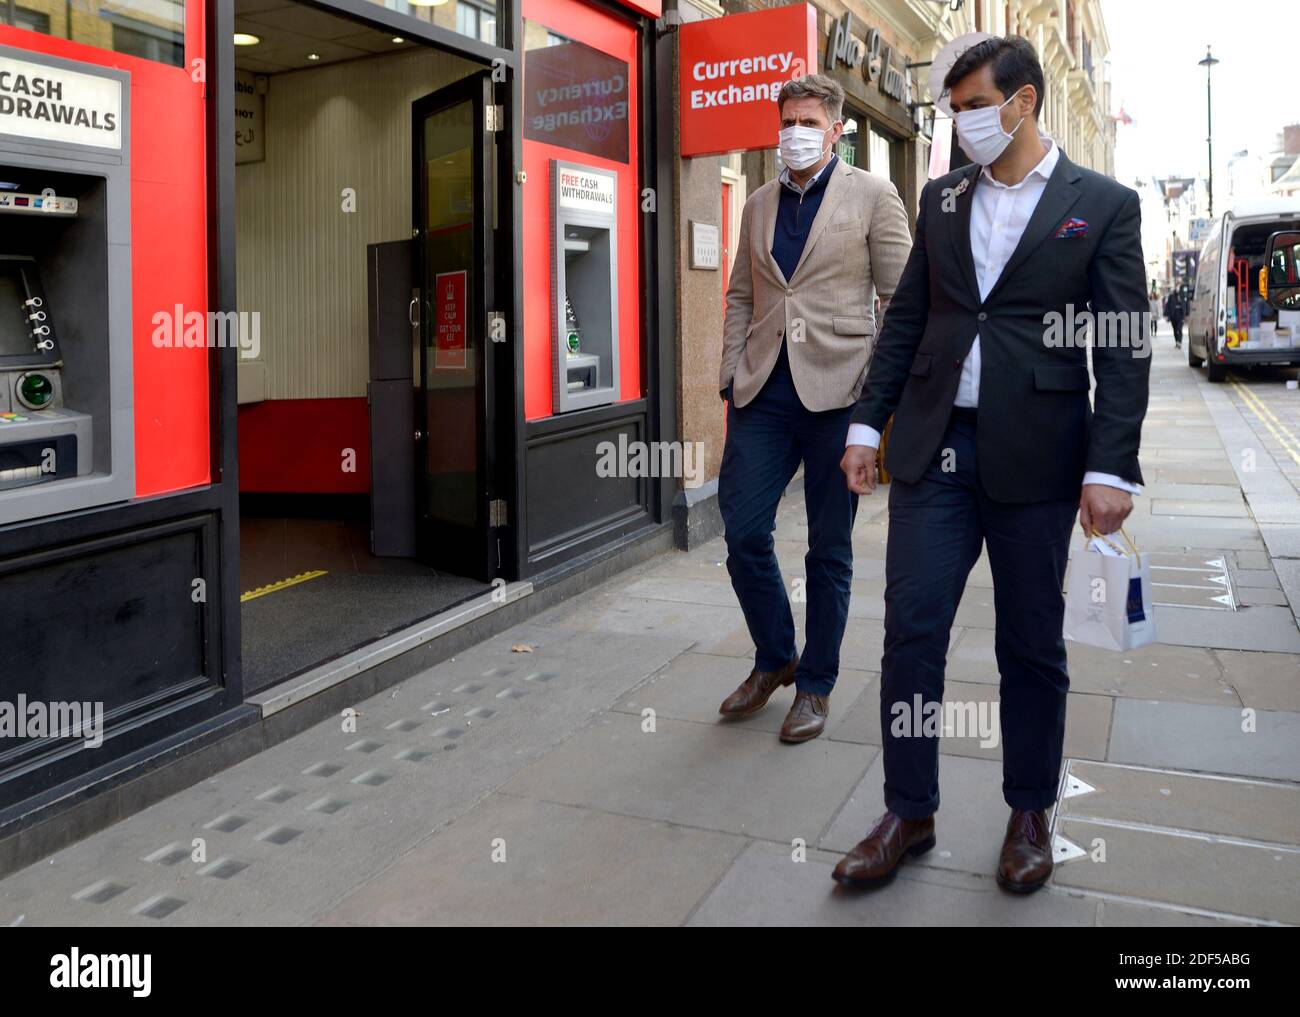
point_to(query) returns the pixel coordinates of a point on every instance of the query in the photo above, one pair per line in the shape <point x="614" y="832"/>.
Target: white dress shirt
<point x="998" y="217"/>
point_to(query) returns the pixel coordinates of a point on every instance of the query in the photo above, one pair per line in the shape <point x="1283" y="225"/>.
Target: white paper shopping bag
<point x="1108" y="596"/>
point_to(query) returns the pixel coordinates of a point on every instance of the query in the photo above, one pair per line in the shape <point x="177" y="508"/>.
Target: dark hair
<point x="1015" y="65"/>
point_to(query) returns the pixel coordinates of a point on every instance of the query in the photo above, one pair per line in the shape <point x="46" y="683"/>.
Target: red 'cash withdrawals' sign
<point x="732" y="70"/>
<point x="449" y="348"/>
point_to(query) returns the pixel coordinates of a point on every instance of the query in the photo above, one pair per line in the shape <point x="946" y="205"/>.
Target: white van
<point x="1228" y="322"/>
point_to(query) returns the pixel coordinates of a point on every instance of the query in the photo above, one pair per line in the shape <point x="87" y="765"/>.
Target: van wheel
<point x="1216" y="373"/>
<point x="1192" y="359"/>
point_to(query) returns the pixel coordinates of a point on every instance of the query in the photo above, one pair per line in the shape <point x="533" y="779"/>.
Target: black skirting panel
<point x="571" y="509"/>
<point x="129" y="622"/>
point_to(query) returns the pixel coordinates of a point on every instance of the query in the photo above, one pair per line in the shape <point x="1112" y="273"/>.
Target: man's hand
<point x="859" y="466"/>
<point x="1103" y="508"/>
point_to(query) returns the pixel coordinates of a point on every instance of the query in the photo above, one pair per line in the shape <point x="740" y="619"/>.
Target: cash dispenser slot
<point x="585" y="286"/>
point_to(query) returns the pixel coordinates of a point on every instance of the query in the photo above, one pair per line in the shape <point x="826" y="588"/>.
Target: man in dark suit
<point x="994" y="441"/>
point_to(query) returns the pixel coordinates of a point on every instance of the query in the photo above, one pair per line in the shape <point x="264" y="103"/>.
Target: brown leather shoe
<point x="875" y="860"/>
<point x="757" y="689"/>
<point x="1026" y="860"/>
<point x="806" y="719"/>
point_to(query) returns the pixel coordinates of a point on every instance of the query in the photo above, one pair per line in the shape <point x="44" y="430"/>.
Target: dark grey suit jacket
<point x="1037" y="432"/>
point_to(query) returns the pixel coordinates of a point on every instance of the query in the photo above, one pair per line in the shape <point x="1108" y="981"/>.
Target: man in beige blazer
<point x="816" y="246"/>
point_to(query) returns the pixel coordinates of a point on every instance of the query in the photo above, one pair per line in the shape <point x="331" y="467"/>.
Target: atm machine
<point x="66" y="388"/>
<point x="584" y="286"/>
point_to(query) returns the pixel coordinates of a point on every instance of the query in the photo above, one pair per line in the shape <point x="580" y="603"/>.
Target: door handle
<point x="413" y="312"/>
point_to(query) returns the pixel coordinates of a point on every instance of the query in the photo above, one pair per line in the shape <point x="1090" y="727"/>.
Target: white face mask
<point x="980" y="133"/>
<point x="802" y="147"/>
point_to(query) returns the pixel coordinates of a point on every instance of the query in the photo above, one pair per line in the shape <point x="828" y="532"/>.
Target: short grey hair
<point x="815" y="86"/>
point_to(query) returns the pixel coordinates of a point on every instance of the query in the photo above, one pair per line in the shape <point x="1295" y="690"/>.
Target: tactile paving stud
<point x="327" y="805"/>
<point x="278" y="835"/>
<point x="468" y="687"/>
<point x="100" y="892"/>
<point x="412" y="755"/>
<point x="223" y="868"/>
<point x="402" y="725"/>
<point x="448" y="732"/>
<point x="366" y="745"/>
<point x="371" y="778"/>
<point x="276" y="795"/>
<point x="322" y="770"/>
<point x="158" y="907"/>
<point x="480" y="713"/>
<point x="511" y="694"/>
<point x="169" y="855"/>
<point x="540" y="676"/>
<point x="226" y="823"/>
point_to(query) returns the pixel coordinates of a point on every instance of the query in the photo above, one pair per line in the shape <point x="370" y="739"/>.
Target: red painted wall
<point x="168" y="252"/>
<point x="318" y="430"/>
<point x="604" y="32"/>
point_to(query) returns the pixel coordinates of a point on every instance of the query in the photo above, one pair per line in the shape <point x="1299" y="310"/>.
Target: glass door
<point x="459" y="511"/>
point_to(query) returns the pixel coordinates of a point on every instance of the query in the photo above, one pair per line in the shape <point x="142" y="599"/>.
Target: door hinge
<point x="494" y="118"/>
<point x="497" y="515"/>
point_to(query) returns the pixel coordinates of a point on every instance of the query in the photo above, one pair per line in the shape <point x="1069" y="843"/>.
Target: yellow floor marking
<point x="283" y="584"/>
<point x="1264" y="415"/>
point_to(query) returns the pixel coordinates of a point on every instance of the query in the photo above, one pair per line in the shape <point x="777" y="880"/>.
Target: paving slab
<point x="288" y="830"/>
<point x="1122" y="914"/>
<point x="969" y="825"/>
<point x="1264" y="681"/>
<point x="1218" y="509"/>
<point x="765" y="887"/>
<point x="1235" y="807"/>
<point x="715" y="778"/>
<point x="1253" y="628"/>
<point x="1210" y="739"/>
<point x="1233" y="880"/>
<point x="692" y="687"/>
<point x="510" y="861"/>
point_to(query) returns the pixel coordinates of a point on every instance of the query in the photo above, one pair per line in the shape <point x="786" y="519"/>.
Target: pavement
<point x="573" y="770"/>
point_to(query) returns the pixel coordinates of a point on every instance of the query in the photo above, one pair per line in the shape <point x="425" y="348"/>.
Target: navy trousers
<point x="766" y="440"/>
<point x="936" y="529"/>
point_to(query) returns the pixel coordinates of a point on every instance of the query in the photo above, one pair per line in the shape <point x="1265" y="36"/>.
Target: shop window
<point x="150" y="29"/>
<point x="847" y="147"/>
<point x="575" y="96"/>
<point x="478" y="19"/>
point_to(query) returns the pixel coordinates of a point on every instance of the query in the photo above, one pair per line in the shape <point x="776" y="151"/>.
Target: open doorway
<point x="365" y="259"/>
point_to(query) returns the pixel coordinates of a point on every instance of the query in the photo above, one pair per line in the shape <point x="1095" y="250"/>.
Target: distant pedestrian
<point x="1175" y="312"/>
<point x="1155" y="312"/>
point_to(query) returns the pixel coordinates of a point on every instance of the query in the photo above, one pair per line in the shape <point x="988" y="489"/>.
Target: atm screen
<point x="15" y="339"/>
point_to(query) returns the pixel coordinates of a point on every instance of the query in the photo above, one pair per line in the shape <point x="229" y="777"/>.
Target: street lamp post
<point x="1208" y="63"/>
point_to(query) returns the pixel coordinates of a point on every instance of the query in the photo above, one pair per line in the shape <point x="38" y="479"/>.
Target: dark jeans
<point x="1178" y="329"/>
<point x="766" y="440"/>
<point x="936" y="529"/>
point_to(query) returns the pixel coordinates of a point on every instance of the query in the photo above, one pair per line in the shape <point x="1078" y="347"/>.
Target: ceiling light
<point x="313" y="56"/>
<point x="244" y="39"/>
<point x="398" y="40"/>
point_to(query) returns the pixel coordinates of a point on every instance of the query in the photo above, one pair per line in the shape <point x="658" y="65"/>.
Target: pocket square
<point x="1073" y="228"/>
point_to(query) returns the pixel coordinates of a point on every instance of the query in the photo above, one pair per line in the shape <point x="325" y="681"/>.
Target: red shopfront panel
<point x="618" y="39"/>
<point x="168" y="249"/>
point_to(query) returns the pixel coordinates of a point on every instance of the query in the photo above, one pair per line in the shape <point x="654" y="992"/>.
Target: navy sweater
<point x="794" y="218"/>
